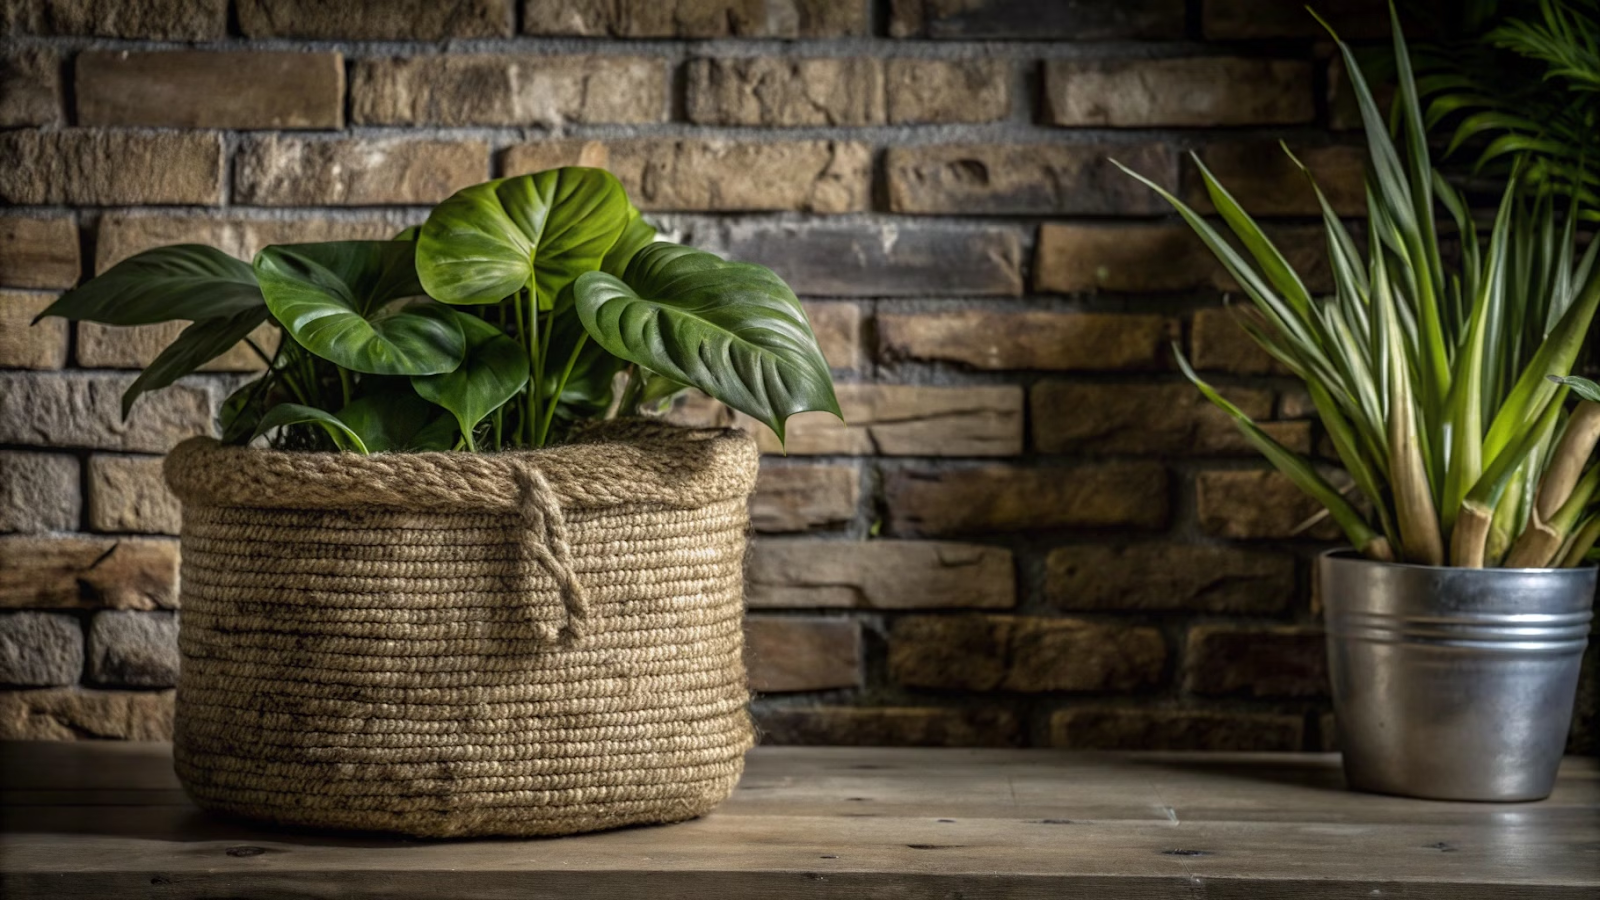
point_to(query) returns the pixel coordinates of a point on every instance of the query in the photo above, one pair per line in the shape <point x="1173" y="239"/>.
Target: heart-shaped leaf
<point x="487" y="242"/>
<point x="733" y="330"/>
<point x="286" y="414"/>
<point x="495" y="370"/>
<point x="397" y="419"/>
<point x="636" y="235"/>
<point x="182" y="282"/>
<point x="195" y="346"/>
<point x="358" y="305"/>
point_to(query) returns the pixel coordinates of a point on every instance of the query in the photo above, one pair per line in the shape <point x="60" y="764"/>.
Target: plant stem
<point x="1577" y="443"/>
<point x="630" y="394"/>
<point x="534" y="367"/>
<point x="344" y="384"/>
<point x="555" y="399"/>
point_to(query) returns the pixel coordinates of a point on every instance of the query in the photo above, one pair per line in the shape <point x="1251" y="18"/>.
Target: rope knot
<point x="545" y="542"/>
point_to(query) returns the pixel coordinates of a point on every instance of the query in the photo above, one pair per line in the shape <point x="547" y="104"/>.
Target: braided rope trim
<point x="613" y="464"/>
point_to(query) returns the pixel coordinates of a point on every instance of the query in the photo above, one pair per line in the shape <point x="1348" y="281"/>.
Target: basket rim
<point x="614" y="464"/>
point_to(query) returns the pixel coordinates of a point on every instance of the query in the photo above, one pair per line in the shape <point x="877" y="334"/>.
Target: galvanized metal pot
<point x="1453" y="684"/>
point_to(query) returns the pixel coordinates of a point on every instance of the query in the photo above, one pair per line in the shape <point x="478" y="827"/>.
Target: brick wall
<point x="1031" y="532"/>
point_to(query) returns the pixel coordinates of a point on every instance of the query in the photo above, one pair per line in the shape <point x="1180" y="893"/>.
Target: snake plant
<point x="1444" y="388"/>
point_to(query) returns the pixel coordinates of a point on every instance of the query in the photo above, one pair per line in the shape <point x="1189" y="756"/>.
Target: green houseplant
<point x="1448" y="394"/>
<point x="499" y="323"/>
<point x="543" y="636"/>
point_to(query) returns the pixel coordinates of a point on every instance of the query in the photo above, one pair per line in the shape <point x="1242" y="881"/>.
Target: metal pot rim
<point x="1351" y="555"/>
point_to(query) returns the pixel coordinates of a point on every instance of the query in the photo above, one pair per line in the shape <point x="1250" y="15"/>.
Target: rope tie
<point x="545" y="542"/>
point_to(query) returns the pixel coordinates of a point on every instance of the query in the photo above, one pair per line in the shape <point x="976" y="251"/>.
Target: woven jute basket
<point x="453" y="644"/>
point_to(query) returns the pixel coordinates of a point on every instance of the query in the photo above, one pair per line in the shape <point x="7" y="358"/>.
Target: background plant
<point x="1519" y="85"/>
<point x="1443" y="388"/>
<point x="521" y="307"/>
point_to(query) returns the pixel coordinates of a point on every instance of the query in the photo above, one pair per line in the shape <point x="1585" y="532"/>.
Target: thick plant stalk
<point x="1577" y="444"/>
<point x="1541" y="544"/>
<point x="1582" y="542"/>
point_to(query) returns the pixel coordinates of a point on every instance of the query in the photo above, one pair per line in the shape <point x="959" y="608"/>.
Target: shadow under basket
<point x="449" y="644"/>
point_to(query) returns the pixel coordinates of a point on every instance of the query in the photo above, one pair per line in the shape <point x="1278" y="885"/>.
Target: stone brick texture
<point x="1028" y="531"/>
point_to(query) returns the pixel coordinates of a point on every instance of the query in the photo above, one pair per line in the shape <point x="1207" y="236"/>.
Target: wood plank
<point x="104" y="820"/>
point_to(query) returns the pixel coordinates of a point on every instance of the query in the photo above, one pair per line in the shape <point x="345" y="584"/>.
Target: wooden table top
<point x="108" y="820"/>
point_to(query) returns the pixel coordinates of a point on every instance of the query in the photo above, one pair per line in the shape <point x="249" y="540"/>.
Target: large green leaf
<point x="181" y="282"/>
<point x="538" y="231"/>
<point x="636" y="235"/>
<point x="733" y="330"/>
<point x="494" y="370"/>
<point x="358" y="305"/>
<point x="397" y="419"/>
<point x="195" y="346"/>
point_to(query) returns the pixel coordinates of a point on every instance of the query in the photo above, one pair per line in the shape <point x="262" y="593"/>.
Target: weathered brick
<point x="134" y="347"/>
<point x="890" y="420"/>
<point x="1257" y="503"/>
<point x="129" y="494"/>
<point x="121" y="235"/>
<point x="1260" y="662"/>
<point x="1074" y="258"/>
<point x="1210" y="92"/>
<point x="291" y="171"/>
<point x="903" y="259"/>
<point x="696" y="18"/>
<point x="1232" y="20"/>
<point x="1099" y="728"/>
<point x="38" y="491"/>
<point x="80" y="409"/>
<point x="375" y="20"/>
<point x="794" y="653"/>
<point x="1150" y="420"/>
<point x="107" y="168"/>
<point x="27" y="346"/>
<point x="30" y="88"/>
<point x="80" y="572"/>
<point x="1000" y="499"/>
<point x="70" y="714"/>
<point x="1031" y="20"/>
<point x="1266" y="182"/>
<point x="1015" y="653"/>
<point x="838" y="330"/>
<point x="173" y="20"/>
<point x="941" y="91"/>
<point x="1026" y="179"/>
<point x="722" y="175"/>
<point x="801" y="573"/>
<point x="799" y="498"/>
<point x="134" y="649"/>
<point x="770" y="90"/>
<point x="40" y="649"/>
<point x="508" y="90"/>
<point x="207" y="89"/>
<point x="38" y="251"/>
<point x="1029" y="340"/>
<point x="1220" y="344"/>
<point x="1168" y="577"/>
<point x="860" y="726"/>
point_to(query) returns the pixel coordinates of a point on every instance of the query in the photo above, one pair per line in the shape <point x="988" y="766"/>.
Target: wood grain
<point x="108" y="819"/>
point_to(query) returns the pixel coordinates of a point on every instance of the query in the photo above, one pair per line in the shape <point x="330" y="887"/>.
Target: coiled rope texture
<point x="451" y="644"/>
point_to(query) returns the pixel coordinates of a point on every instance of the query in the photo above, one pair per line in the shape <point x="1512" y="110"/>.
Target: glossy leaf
<point x="286" y="414"/>
<point x="495" y="370"/>
<point x="540" y="231"/>
<point x="397" y="419"/>
<point x="195" y="346"/>
<point x="733" y="330"/>
<point x="1583" y="387"/>
<point x="182" y="282"/>
<point x="358" y="304"/>
<point x="636" y="235"/>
